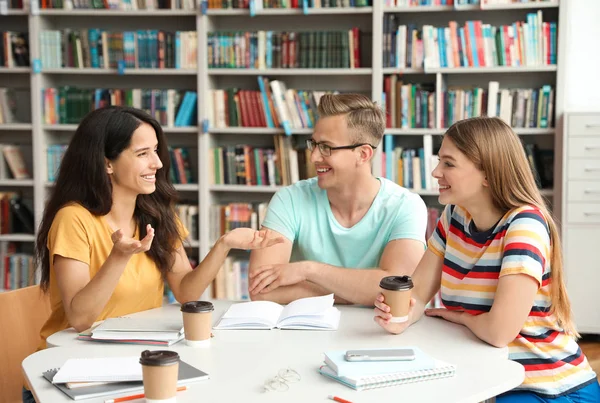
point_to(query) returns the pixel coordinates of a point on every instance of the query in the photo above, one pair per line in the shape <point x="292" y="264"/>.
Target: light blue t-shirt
<point x="302" y="213"/>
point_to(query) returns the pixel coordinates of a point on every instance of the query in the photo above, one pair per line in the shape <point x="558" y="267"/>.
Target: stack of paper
<point x="137" y="331"/>
<point x="378" y="374"/>
<point x="83" y="378"/>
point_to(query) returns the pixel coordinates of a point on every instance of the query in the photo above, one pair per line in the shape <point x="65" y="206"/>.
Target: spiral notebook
<point x="187" y="375"/>
<point x="441" y="370"/>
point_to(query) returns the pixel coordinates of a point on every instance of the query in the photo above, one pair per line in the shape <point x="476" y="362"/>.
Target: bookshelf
<point x="201" y="138"/>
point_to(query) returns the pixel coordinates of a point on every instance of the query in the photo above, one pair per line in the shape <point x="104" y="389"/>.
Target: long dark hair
<point x="82" y="178"/>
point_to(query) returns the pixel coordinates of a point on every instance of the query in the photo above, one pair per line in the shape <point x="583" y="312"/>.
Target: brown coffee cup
<point x="396" y="291"/>
<point x="160" y="370"/>
<point x="197" y="322"/>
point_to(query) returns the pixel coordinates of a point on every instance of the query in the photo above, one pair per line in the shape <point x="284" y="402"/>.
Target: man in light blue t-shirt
<point x="345" y="229"/>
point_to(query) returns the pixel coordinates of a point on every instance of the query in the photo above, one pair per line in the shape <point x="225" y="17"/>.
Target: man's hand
<point x="266" y="278"/>
<point x="129" y="246"/>
<point x="247" y="238"/>
<point x="450" y="316"/>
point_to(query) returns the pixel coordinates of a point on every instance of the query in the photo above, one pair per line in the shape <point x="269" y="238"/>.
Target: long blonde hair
<point x="494" y="148"/>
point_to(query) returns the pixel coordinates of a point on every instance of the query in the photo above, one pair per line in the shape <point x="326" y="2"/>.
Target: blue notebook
<point x="337" y="363"/>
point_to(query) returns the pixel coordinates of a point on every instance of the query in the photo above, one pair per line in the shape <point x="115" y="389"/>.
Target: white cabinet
<point x="581" y="217"/>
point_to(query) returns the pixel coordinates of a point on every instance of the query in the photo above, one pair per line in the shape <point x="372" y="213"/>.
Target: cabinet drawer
<point x="583" y="169"/>
<point x="584" y="147"/>
<point x="583" y="213"/>
<point x="582" y="275"/>
<point x="583" y="191"/>
<point x="584" y="125"/>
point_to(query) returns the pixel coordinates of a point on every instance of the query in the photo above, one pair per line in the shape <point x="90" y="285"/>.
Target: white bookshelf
<point x="368" y="80"/>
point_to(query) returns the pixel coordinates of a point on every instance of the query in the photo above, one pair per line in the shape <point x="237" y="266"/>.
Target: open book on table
<point x="316" y="313"/>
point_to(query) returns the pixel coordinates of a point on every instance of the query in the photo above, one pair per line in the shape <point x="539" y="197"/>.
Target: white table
<point x="239" y="361"/>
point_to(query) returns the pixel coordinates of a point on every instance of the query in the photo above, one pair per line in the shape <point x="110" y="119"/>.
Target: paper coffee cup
<point x="160" y="370"/>
<point x="197" y="322"/>
<point x="396" y="291"/>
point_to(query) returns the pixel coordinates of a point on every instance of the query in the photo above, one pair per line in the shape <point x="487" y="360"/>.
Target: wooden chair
<point x="22" y="314"/>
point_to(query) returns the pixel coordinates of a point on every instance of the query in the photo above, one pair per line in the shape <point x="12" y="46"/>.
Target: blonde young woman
<point x="496" y="255"/>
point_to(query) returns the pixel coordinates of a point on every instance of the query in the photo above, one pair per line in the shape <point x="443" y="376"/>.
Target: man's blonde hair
<point x="364" y="118"/>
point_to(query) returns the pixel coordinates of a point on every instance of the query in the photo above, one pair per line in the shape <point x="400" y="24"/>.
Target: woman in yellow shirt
<point x="109" y="236"/>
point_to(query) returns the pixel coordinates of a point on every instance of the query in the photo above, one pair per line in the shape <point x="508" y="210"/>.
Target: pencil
<point x="138" y="396"/>
<point x="338" y="399"/>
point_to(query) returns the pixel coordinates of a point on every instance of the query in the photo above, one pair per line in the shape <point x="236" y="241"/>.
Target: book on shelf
<point x="16" y="268"/>
<point x="14" y="49"/>
<point x="127" y="5"/>
<point x="287" y="4"/>
<point x="226" y="217"/>
<point x="96" y="48"/>
<point x="14" y="105"/>
<point x="188" y="214"/>
<point x="231" y="282"/>
<point x="270" y="49"/>
<point x="68" y="105"/>
<point x="313" y="313"/>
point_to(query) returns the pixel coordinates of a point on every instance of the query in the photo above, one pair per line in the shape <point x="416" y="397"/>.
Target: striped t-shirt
<point x="474" y="261"/>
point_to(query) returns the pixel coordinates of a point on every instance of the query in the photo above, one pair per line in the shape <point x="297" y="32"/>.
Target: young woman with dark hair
<point x="109" y="237"/>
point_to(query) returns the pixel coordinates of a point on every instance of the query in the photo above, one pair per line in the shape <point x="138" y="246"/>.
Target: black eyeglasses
<point x="325" y="150"/>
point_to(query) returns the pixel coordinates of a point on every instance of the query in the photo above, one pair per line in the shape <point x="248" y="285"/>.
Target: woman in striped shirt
<point x="496" y="256"/>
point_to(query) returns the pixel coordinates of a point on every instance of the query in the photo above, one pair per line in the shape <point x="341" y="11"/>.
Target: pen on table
<point x="138" y="396"/>
<point x="339" y="399"/>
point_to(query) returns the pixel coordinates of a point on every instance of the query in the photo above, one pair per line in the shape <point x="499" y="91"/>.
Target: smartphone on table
<point x="391" y="354"/>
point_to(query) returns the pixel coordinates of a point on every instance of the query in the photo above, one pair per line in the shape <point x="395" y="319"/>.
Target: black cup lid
<point x="197" y="307"/>
<point x="159" y="358"/>
<point x="396" y="283"/>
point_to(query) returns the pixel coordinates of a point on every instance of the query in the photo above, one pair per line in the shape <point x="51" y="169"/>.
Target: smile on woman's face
<point x="460" y="181"/>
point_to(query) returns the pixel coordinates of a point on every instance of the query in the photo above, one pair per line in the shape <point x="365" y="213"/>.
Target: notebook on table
<point x="165" y="332"/>
<point x="314" y="313"/>
<point x="114" y="383"/>
<point x="441" y="370"/>
<point x="336" y="361"/>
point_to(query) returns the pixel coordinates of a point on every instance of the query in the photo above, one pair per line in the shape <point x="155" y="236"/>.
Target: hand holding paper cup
<point x="397" y="290"/>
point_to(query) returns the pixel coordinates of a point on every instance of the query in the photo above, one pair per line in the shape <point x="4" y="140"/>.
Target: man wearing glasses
<point x="345" y="229"/>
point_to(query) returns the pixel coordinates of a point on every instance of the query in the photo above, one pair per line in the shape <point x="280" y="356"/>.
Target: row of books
<point x="16" y="270"/>
<point x="414" y="105"/>
<point x="270" y="49"/>
<point x="96" y="48"/>
<point x="231" y="282"/>
<point x="411" y="168"/>
<point x="408" y="167"/>
<point x="252" y="166"/>
<point x="189" y="216"/>
<point x="120" y="4"/>
<point x="8" y="102"/>
<point x="520" y="108"/>
<point x="171" y="108"/>
<point x="416" y="3"/>
<point x="14" y="4"/>
<point x="408" y="105"/>
<point x="226" y="217"/>
<point x="273" y="106"/>
<point x="531" y="43"/>
<point x="14" y="49"/>
<point x="262" y="4"/>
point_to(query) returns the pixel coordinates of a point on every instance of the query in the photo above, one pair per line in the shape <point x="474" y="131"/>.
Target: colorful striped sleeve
<point x="437" y="241"/>
<point x="526" y="246"/>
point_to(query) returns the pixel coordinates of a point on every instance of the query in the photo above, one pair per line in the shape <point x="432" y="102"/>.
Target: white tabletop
<point x="239" y="361"/>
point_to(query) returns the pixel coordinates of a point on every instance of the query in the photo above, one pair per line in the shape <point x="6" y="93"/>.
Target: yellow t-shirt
<point x="78" y="234"/>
